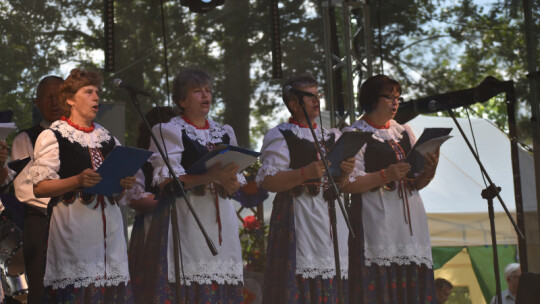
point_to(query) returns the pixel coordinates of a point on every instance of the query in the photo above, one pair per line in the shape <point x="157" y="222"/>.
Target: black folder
<point x="346" y="147"/>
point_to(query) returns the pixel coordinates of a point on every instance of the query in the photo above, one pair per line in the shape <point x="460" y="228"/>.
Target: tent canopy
<point x="457" y="214"/>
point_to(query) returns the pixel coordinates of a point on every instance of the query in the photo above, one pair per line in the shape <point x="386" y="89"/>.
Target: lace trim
<point x="304" y="133"/>
<point x="267" y="170"/>
<point x="394" y="132"/>
<point x="204" y="272"/>
<point x="400" y="260"/>
<point x="310" y="267"/>
<point x="162" y="173"/>
<point x="356" y="172"/>
<point x="82" y="275"/>
<point x="136" y="193"/>
<point x="215" y="131"/>
<point x="241" y="179"/>
<point x="10" y="176"/>
<point x="38" y="173"/>
<point x="91" y="140"/>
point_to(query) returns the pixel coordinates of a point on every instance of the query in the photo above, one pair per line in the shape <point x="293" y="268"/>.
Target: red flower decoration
<point x="394" y="285"/>
<point x="251" y="223"/>
<point x="214" y="286"/>
<point x="371" y="287"/>
<point x="429" y="298"/>
<point x="167" y="302"/>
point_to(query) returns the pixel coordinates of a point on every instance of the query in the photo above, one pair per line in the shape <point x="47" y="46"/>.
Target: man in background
<point x="35" y="209"/>
<point x="443" y="289"/>
<point x="512" y="272"/>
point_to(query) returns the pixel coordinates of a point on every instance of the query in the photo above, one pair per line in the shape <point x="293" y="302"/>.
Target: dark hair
<point x="77" y="79"/>
<point x="44" y="82"/>
<point x="154" y="116"/>
<point x="441" y="283"/>
<point x="186" y="79"/>
<point x="371" y="90"/>
<point x="296" y="82"/>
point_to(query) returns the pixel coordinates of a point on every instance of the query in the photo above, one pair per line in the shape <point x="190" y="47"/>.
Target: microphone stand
<point x="489" y="193"/>
<point x="176" y="187"/>
<point x="331" y="203"/>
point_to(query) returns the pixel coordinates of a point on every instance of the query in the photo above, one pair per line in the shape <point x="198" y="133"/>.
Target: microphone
<point x="443" y="105"/>
<point x="119" y="84"/>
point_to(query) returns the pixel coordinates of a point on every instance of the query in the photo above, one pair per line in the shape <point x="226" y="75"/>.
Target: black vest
<point x="193" y="150"/>
<point x="302" y="152"/>
<point x="379" y="155"/>
<point x="74" y="158"/>
<point x="33" y="133"/>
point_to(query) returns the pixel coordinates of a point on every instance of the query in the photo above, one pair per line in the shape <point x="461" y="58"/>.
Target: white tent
<point x="457" y="214"/>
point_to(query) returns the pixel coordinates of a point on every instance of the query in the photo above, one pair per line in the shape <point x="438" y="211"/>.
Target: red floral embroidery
<point x="394" y="285"/>
<point x="214" y="286"/>
<point x="371" y="287"/>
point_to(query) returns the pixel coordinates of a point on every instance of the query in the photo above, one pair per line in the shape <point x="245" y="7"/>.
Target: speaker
<point x="528" y="289"/>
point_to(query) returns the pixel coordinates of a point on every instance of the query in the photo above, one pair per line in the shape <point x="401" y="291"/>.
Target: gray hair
<point x="511" y="268"/>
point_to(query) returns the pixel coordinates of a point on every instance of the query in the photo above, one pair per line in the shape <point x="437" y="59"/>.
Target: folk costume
<point x="86" y="253"/>
<point x="300" y="260"/>
<point x="205" y="278"/>
<point x="390" y="258"/>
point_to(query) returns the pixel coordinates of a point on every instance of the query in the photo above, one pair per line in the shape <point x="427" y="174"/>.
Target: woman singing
<point x="390" y="258"/>
<point x="86" y="252"/>
<point x="186" y="138"/>
<point x="301" y="265"/>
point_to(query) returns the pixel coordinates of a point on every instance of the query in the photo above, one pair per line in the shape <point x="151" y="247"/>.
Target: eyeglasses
<point x="390" y="98"/>
<point x="319" y="96"/>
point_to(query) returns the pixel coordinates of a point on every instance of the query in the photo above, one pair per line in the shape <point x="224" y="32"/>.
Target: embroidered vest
<point x="302" y="152"/>
<point x="74" y="158"/>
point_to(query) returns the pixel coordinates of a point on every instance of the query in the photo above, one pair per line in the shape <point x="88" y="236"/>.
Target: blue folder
<point x="120" y="163"/>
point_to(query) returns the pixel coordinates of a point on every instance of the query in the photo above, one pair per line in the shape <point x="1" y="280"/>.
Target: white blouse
<point x="78" y="253"/>
<point x="199" y="265"/>
<point x="387" y="237"/>
<point x="314" y="246"/>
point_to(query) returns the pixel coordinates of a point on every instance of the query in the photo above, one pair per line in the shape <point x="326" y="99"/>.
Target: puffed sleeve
<point x="46" y="158"/>
<point x="360" y="166"/>
<point x="170" y="138"/>
<point x="275" y="155"/>
<point x="229" y="130"/>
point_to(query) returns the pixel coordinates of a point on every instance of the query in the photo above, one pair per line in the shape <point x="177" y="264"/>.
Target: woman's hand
<point x="3" y="153"/>
<point x="347" y="167"/>
<point x="88" y="178"/>
<point x="128" y="182"/>
<point x="431" y="162"/>
<point x="225" y="176"/>
<point x="396" y="172"/>
<point x="314" y="170"/>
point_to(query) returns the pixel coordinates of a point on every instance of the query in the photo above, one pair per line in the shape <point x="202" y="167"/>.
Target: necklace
<point x="206" y="125"/>
<point x="371" y="123"/>
<point x="294" y="122"/>
<point x="76" y="126"/>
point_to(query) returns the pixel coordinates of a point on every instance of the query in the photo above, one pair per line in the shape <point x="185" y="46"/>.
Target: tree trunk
<point x="237" y="56"/>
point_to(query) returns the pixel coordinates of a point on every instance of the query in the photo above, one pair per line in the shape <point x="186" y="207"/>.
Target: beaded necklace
<point x="206" y="125"/>
<point x="76" y="126"/>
